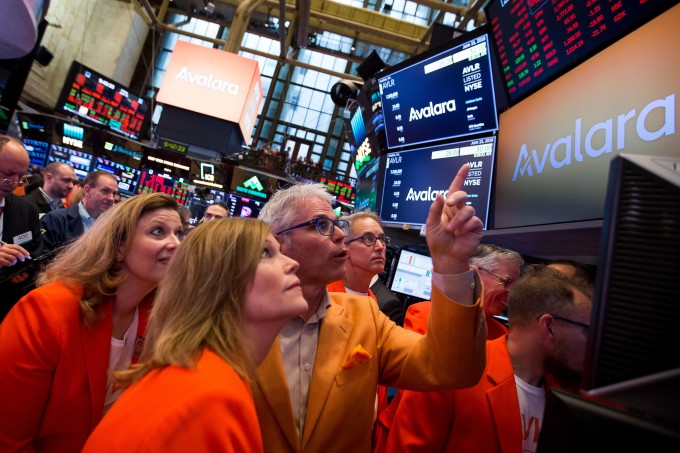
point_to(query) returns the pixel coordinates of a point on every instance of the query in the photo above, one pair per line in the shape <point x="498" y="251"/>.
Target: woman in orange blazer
<point x="59" y="343"/>
<point x="228" y="292"/>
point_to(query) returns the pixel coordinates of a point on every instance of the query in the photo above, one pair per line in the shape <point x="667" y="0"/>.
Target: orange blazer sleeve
<point x="206" y="408"/>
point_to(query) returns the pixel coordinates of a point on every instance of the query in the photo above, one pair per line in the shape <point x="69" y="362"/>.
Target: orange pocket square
<point x="358" y="356"/>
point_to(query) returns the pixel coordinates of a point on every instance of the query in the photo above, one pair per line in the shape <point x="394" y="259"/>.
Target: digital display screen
<point x="212" y="175"/>
<point x="539" y="40"/>
<point x="414" y="178"/>
<point x="366" y="125"/>
<point x="37" y="151"/>
<point x="444" y="95"/>
<point x="251" y="184"/>
<point x="344" y="192"/>
<point x="96" y="98"/>
<point x="368" y="186"/>
<point x="168" y="163"/>
<point x="358" y="127"/>
<point x="122" y="151"/>
<point x="548" y="141"/>
<point x="127" y="177"/>
<point x="244" y="207"/>
<point x="79" y="160"/>
<point x="413" y="275"/>
<point x="151" y="181"/>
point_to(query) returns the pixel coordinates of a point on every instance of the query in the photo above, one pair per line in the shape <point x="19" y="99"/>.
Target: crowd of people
<point x="270" y="334"/>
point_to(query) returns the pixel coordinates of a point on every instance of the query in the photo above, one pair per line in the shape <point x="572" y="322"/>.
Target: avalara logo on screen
<point x="424" y="195"/>
<point x="206" y="81"/>
<point x="432" y="110"/>
<point x="565" y="150"/>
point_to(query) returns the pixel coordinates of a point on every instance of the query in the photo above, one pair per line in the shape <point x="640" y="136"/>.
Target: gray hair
<point x="487" y="256"/>
<point x="367" y="214"/>
<point x="282" y="208"/>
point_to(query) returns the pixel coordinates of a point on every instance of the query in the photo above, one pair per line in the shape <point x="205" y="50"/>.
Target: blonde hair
<point x="200" y="301"/>
<point x="93" y="261"/>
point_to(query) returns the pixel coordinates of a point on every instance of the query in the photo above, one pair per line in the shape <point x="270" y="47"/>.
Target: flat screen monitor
<point x="99" y="99"/>
<point x="127" y="177"/>
<point x="414" y="178"/>
<point x="37" y="151"/>
<point x="121" y="150"/>
<point x="243" y="207"/>
<point x="255" y="185"/>
<point x="168" y="163"/>
<point x="151" y="181"/>
<point x="537" y="41"/>
<point x="636" y="314"/>
<point x="575" y="423"/>
<point x="79" y="160"/>
<point x="368" y="187"/>
<point x="214" y="176"/>
<point x="413" y="275"/>
<point x="443" y="94"/>
<point x="365" y="124"/>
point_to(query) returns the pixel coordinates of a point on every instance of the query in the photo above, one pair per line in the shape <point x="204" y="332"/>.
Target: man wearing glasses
<point x="19" y="226"/>
<point x="498" y="269"/>
<point x="545" y="347"/>
<point x="366" y="256"/>
<point x="315" y="390"/>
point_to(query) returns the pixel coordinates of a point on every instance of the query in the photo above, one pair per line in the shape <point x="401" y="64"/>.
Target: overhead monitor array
<point x="440" y="112"/>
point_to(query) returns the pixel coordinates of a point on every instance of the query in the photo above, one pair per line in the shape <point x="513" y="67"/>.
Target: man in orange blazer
<point x="503" y="412"/>
<point x="73" y="391"/>
<point x="315" y="390"/>
<point x="498" y="269"/>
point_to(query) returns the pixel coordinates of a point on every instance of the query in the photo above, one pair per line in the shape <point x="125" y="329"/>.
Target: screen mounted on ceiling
<point x="98" y="99"/>
<point x="443" y="94"/>
<point x="538" y="41"/>
<point x="414" y="178"/>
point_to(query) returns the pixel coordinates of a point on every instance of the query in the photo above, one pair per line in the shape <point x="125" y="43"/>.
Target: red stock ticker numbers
<point x="538" y="40"/>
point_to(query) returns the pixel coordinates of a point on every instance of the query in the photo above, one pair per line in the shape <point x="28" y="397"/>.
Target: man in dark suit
<point x="65" y="225"/>
<point x="57" y="184"/>
<point x="19" y="227"/>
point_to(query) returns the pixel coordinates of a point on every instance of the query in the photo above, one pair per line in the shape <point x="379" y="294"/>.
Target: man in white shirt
<point x="65" y="225"/>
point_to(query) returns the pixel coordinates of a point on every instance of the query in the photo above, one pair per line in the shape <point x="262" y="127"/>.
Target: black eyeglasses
<point x="325" y="227"/>
<point x="569" y="321"/>
<point x="369" y="239"/>
<point x="507" y="282"/>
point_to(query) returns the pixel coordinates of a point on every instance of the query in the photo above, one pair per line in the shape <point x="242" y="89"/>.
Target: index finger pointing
<point x="457" y="183"/>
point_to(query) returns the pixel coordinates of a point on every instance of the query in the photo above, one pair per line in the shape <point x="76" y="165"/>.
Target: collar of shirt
<point x="88" y="221"/>
<point x="53" y="202"/>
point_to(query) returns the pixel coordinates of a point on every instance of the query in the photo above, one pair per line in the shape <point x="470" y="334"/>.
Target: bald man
<point x="19" y="226"/>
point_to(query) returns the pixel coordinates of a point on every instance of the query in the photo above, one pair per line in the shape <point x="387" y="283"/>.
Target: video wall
<point x="440" y="111"/>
